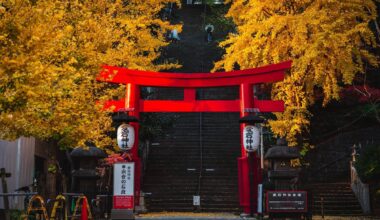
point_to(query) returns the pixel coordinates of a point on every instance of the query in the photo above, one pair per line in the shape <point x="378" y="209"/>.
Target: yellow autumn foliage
<point x="51" y="52"/>
<point x="329" y="42"/>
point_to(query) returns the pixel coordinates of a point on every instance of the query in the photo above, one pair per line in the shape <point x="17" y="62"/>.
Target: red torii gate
<point x="247" y="103"/>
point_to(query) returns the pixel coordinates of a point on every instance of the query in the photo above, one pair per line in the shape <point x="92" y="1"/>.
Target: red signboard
<point x="123" y="202"/>
<point x="287" y="201"/>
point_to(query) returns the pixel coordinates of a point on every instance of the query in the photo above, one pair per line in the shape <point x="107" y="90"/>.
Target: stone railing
<point x="361" y="191"/>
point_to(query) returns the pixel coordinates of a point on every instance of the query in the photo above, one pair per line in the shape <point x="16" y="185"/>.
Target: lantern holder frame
<point x="123" y="116"/>
<point x="252" y="119"/>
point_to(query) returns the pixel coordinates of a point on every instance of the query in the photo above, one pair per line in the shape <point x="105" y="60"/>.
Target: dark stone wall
<point x="330" y="159"/>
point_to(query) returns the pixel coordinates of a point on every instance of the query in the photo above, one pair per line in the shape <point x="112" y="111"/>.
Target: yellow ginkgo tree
<point x="329" y="42"/>
<point x="51" y="52"/>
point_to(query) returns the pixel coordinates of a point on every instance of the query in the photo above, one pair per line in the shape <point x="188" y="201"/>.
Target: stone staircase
<point x="338" y="199"/>
<point x="329" y="171"/>
<point x="197" y="157"/>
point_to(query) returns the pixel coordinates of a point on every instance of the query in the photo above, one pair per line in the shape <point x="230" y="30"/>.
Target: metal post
<point x="251" y="180"/>
<point x="261" y="148"/>
<point x="4" y="175"/>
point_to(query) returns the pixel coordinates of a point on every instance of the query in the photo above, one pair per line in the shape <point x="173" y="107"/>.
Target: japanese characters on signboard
<point x="123" y="185"/>
<point x="287" y="201"/>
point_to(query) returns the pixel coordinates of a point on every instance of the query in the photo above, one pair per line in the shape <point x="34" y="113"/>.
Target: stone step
<point x="195" y="154"/>
<point x="338" y="199"/>
<point x="192" y="209"/>
<point x="338" y="213"/>
<point x="337" y="203"/>
<point x="191" y="189"/>
<point x="194" y="181"/>
<point x="328" y="195"/>
<point x="233" y="196"/>
<point x="188" y="168"/>
<point x="152" y="180"/>
<point x="166" y="205"/>
<point x="204" y="187"/>
<point x="223" y="200"/>
<point x="209" y="161"/>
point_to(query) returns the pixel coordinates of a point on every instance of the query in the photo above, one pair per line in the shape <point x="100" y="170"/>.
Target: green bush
<point x="16" y="214"/>
<point x="368" y="163"/>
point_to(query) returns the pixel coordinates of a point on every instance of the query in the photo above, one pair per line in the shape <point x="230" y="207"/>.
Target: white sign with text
<point x="123" y="185"/>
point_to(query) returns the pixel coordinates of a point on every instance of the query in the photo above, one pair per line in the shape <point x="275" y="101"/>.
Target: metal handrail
<point x="361" y="190"/>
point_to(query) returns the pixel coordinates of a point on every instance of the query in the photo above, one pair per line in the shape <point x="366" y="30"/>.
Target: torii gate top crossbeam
<point x="270" y="73"/>
<point x="248" y="77"/>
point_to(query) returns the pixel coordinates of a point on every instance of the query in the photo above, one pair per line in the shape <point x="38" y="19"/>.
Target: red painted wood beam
<point x="270" y="73"/>
<point x="196" y="105"/>
<point x="189" y="94"/>
<point x="269" y="105"/>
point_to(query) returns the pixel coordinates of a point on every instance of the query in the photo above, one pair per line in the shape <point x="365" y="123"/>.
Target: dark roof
<point x="283" y="174"/>
<point x="251" y="119"/>
<point x="89" y="152"/>
<point x="282" y="152"/>
<point x="84" y="173"/>
<point x="123" y="117"/>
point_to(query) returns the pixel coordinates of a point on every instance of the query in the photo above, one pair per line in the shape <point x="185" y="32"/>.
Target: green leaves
<point x="368" y="163"/>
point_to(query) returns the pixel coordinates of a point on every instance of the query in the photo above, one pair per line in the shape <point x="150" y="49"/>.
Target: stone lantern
<point x="84" y="173"/>
<point x="281" y="173"/>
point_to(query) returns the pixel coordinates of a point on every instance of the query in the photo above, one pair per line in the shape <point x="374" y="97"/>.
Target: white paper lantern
<point x="125" y="136"/>
<point x="251" y="138"/>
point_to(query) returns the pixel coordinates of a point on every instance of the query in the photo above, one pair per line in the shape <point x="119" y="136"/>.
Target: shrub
<point x="368" y="163"/>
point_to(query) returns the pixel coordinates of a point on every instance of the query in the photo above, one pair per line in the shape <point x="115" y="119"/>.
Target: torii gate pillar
<point x="132" y="104"/>
<point x="246" y="166"/>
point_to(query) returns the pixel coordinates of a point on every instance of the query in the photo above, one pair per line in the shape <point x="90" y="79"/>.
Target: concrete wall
<point x="17" y="157"/>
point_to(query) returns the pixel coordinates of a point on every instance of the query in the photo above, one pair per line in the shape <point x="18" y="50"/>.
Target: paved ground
<point x="224" y="216"/>
<point x="346" y="217"/>
<point x="188" y="216"/>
